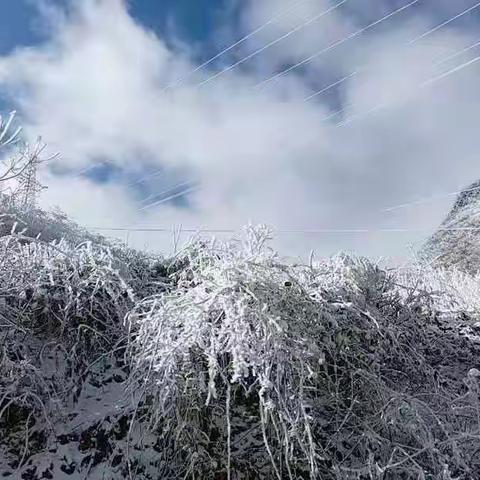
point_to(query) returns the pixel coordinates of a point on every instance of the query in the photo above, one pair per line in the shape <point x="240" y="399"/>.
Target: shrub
<point x="255" y="369"/>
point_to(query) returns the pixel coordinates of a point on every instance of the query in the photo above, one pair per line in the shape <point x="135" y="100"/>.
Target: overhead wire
<point x="308" y="22"/>
<point x="337" y="43"/>
<point x="446" y="22"/>
<point x="237" y="43"/>
<point x="269" y="22"/>
<point x="415" y="203"/>
<point x="421" y="86"/>
<point x="329" y="87"/>
<point x="323" y="90"/>
<point x="286" y="231"/>
<point x="272" y="43"/>
<point x="171" y="197"/>
<point x="153" y="174"/>
<point x="424" y="84"/>
<point x="168" y="190"/>
<point x="436" y="64"/>
<point x="411" y="42"/>
<point x="457" y="53"/>
<point x="231" y="67"/>
<point x="90" y="168"/>
<point x="258" y="51"/>
<point x="354" y="73"/>
<point x="428" y="200"/>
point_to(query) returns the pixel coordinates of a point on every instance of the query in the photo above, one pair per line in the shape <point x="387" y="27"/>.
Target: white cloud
<point x="96" y="91"/>
<point x="317" y="24"/>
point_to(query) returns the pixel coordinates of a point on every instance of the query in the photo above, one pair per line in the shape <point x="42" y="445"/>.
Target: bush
<point x="225" y="362"/>
<point x="258" y="369"/>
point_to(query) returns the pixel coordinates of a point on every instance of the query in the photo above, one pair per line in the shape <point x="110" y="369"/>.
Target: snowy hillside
<point x="223" y="362"/>
<point x="456" y="243"/>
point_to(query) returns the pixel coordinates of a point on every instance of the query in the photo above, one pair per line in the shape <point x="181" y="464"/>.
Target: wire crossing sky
<point x="285" y="36"/>
<point x="338" y="43"/>
<point x="239" y="42"/>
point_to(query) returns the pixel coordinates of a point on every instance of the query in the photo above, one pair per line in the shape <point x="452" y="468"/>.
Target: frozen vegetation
<point x="225" y="363"/>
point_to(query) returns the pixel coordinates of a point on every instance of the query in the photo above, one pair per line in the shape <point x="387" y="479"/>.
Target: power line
<point x="171" y="197"/>
<point x="289" y="231"/>
<point x="424" y="84"/>
<point x="90" y="168"/>
<point x="272" y="43"/>
<point x="288" y="9"/>
<point x="443" y="24"/>
<point x="305" y="24"/>
<point x="378" y="107"/>
<point x="329" y="87"/>
<point x="436" y="79"/>
<point x="436" y="64"/>
<point x="153" y="174"/>
<point x="160" y="230"/>
<point x="337" y="43"/>
<point x="332" y="114"/>
<point x="456" y="54"/>
<point x="291" y="32"/>
<point x="429" y="199"/>
<point x="262" y="27"/>
<point x="168" y="190"/>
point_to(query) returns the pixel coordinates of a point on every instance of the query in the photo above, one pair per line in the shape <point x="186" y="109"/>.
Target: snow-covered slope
<point x="457" y="242"/>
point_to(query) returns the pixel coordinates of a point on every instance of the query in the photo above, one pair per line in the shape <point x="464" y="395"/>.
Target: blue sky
<point x="202" y="22"/>
<point x="198" y="23"/>
<point x="192" y="21"/>
<point x="17" y="25"/>
<point x="94" y="87"/>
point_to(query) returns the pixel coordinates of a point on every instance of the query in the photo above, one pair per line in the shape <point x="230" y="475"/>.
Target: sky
<point x="324" y="117"/>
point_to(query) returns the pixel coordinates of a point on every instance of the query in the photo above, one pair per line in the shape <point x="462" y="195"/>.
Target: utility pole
<point x="29" y="187"/>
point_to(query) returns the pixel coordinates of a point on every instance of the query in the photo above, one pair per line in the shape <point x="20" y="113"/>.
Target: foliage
<point x="264" y="370"/>
<point x="226" y="362"/>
